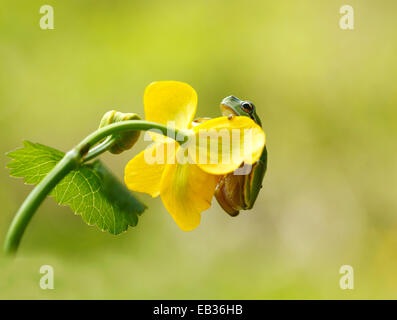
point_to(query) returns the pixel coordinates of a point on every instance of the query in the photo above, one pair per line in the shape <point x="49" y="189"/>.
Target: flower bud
<point x="124" y="140"/>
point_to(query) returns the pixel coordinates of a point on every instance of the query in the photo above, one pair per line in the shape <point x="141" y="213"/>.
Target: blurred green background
<point x="327" y="99"/>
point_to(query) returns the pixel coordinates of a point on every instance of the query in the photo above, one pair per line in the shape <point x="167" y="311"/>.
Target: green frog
<point x="236" y="192"/>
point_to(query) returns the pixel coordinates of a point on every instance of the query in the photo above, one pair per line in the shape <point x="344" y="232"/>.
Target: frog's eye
<point x="247" y="107"/>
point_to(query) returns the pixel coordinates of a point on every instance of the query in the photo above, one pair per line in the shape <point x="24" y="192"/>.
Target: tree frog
<point x="239" y="192"/>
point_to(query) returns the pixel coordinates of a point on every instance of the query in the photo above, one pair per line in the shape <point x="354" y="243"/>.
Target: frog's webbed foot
<point x="230" y="116"/>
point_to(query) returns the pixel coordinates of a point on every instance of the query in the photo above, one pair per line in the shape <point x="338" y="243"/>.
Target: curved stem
<point x="100" y="148"/>
<point x="72" y="160"/>
<point x="98" y="135"/>
<point x="35" y="198"/>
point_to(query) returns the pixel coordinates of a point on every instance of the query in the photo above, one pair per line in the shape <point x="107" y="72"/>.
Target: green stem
<point x="72" y="160"/>
<point x="100" y="148"/>
<point x="35" y="198"/>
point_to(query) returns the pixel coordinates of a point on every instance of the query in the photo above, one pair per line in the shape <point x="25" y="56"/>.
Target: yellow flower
<point x="186" y="189"/>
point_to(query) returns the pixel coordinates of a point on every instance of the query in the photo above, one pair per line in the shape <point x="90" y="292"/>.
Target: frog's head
<point x="236" y="107"/>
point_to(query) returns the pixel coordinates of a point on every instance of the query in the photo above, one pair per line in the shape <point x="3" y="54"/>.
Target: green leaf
<point x="91" y="190"/>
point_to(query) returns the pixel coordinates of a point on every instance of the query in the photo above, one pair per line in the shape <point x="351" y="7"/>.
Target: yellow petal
<point x="166" y="101"/>
<point x="186" y="191"/>
<point x="223" y="144"/>
<point x="143" y="173"/>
